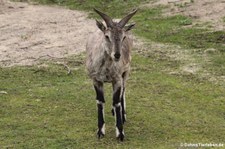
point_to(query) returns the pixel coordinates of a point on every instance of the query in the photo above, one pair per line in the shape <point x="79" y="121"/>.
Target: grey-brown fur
<point x="100" y="63"/>
<point x="108" y="60"/>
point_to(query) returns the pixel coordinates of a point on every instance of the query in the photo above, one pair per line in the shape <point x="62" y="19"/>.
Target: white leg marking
<point x="117" y="132"/>
<point x="99" y="102"/>
<point x="124" y="101"/>
<point x="118" y="105"/>
<point x="103" y="129"/>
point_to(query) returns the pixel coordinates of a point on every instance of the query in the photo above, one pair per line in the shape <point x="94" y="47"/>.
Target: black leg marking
<point x="119" y="124"/>
<point x="100" y="105"/>
<point x="116" y="96"/>
<point x="118" y="114"/>
<point x="99" y="94"/>
<point x="116" y="99"/>
<point x="101" y="122"/>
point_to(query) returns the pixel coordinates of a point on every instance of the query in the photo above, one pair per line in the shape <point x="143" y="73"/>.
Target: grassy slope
<point x="153" y="26"/>
<point x="46" y="108"/>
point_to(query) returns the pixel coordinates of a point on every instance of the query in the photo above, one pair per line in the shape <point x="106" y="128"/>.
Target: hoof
<point x="100" y="134"/>
<point x="121" y="137"/>
<point x="119" y="134"/>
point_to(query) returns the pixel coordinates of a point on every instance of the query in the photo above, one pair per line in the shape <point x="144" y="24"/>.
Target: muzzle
<point x="117" y="56"/>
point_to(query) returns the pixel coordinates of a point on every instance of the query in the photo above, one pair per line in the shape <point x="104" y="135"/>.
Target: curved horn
<point x="124" y="21"/>
<point x="105" y="17"/>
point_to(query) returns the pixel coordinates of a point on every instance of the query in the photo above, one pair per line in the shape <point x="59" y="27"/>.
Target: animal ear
<point x="100" y="25"/>
<point x="129" y="27"/>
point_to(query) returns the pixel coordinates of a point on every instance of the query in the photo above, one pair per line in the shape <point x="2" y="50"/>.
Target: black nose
<point x="117" y="55"/>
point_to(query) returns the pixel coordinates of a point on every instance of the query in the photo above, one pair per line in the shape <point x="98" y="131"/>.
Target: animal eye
<point x="107" y="37"/>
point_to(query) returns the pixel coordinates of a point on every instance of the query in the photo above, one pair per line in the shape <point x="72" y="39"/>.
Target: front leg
<point x="123" y="104"/>
<point x="100" y="105"/>
<point x="123" y="99"/>
<point x="117" y="109"/>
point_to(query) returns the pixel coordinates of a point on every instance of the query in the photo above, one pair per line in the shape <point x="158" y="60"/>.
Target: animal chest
<point x="108" y="71"/>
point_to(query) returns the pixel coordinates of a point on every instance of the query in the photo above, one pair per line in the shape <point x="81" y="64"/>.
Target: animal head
<point x="115" y="32"/>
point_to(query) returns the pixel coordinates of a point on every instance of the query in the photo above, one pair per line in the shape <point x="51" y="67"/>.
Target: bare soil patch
<point x="33" y="32"/>
<point x="201" y="10"/>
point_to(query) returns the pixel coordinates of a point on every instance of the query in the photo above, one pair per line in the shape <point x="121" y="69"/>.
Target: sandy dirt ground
<point x="212" y="11"/>
<point x="29" y="33"/>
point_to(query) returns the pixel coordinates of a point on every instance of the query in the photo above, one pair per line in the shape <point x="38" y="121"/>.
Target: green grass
<point x="118" y="6"/>
<point x="153" y="26"/>
<point x="47" y="108"/>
